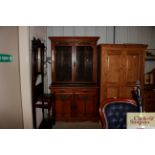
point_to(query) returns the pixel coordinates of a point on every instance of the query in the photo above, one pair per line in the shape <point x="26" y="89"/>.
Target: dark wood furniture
<point x="149" y="88"/>
<point x="149" y="98"/>
<point x="74" y="78"/>
<point x="39" y="98"/>
<point x="121" y="66"/>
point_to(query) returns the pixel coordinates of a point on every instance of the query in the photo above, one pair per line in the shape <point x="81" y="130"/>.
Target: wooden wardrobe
<point x="121" y="66"/>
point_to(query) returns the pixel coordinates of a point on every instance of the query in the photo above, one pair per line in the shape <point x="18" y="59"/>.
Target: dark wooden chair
<point x="45" y="102"/>
<point x="113" y="112"/>
<point x="40" y="99"/>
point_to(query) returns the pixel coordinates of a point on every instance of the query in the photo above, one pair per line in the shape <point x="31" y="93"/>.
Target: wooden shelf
<point x="150" y="59"/>
<point x="151" y="56"/>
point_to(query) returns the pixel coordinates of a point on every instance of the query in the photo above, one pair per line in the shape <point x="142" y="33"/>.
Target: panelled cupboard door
<point x="133" y="71"/>
<point x="121" y="66"/>
<point x="114" y="66"/>
<point x="87" y="106"/>
<point x="63" y="103"/>
<point x="133" y="66"/>
<point x="111" y="72"/>
<point x="76" y="104"/>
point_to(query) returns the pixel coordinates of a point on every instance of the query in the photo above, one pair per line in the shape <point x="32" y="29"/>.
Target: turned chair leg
<point x="43" y="110"/>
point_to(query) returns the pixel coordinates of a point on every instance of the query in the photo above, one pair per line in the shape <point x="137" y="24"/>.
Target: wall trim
<point x="25" y="76"/>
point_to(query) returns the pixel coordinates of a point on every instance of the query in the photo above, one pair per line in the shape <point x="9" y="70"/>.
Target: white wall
<point x="136" y="34"/>
<point x="38" y="32"/>
<point x="25" y="76"/>
<point x="10" y="92"/>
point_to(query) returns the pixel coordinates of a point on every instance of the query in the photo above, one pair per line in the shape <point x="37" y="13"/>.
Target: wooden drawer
<point x="74" y="90"/>
<point x="85" y="90"/>
<point x="61" y="90"/>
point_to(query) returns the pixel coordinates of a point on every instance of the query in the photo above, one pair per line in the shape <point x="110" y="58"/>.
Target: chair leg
<point x="43" y="111"/>
<point x="53" y="113"/>
<point x="49" y="117"/>
<point x="34" y="117"/>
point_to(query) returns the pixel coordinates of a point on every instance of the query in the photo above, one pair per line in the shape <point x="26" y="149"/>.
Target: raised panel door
<point x="87" y="105"/>
<point x="113" y="73"/>
<point x="80" y="101"/>
<point x="133" y="67"/>
<point x="91" y="106"/>
<point x="121" y="66"/>
<point x="113" y="68"/>
<point x="63" y="103"/>
<point x="132" y="71"/>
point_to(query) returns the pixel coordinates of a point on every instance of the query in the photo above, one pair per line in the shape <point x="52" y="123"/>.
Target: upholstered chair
<point x="113" y="112"/>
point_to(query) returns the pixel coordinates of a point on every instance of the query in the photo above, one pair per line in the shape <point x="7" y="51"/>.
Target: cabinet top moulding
<point x="124" y="45"/>
<point x="68" y="39"/>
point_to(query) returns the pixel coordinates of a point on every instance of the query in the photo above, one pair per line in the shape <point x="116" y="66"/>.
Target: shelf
<point x="150" y="55"/>
<point x="150" y="59"/>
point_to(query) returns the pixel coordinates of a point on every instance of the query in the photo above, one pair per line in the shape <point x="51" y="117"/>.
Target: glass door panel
<point x="84" y="63"/>
<point x="63" y="63"/>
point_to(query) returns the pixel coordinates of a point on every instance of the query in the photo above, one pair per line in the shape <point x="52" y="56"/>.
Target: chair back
<point x="113" y="112"/>
<point x="38" y="53"/>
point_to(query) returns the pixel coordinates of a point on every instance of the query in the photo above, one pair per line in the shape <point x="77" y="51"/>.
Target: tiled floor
<point x="76" y="125"/>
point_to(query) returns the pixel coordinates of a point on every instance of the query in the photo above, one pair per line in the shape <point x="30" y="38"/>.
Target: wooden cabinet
<point x="74" y="60"/>
<point x="149" y="100"/>
<point x="75" y="104"/>
<point x="74" y="78"/>
<point x="121" y="66"/>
